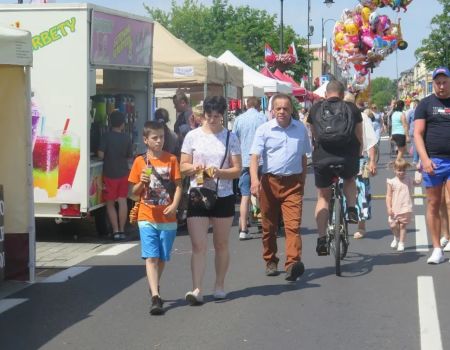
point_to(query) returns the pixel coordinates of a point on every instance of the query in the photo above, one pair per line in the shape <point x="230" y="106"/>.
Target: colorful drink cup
<point x="148" y="171"/>
<point x="69" y="157"/>
<point x="45" y="164"/>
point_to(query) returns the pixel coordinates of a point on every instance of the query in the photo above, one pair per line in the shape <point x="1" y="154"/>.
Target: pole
<point x="281" y="28"/>
<point x="321" y="46"/>
<point x="308" y="53"/>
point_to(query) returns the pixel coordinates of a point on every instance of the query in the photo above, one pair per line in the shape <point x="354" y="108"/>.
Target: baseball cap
<point x="441" y="70"/>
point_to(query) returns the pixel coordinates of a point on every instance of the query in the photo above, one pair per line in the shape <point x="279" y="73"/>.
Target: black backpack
<point x="334" y="126"/>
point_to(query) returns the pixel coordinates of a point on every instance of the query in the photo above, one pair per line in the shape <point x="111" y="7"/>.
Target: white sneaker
<point x="436" y="257"/>
<point x="394" y="243"/>
<point x="245" y="235"/>
<point x="194" y="299"/>
<point x="444" y="242"/>
<point x="219" y="295"/>
<point x="447" y="247"/>
<point x="401" y="247"/>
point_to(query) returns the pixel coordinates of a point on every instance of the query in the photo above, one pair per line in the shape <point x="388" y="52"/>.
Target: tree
<point x="382" y="91"/>
<point x="435" y="50"/>
<point x="243" y="30"/>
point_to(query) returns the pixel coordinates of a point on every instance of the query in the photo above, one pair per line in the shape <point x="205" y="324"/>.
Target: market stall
<point x="17" y="230"/>
<point x="176" y="65"/>
<point x="254" y="78"/>
<point x="71" y="102"/>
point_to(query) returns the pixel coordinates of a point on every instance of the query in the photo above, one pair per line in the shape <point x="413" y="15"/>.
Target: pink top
<point x="401" y="194"/>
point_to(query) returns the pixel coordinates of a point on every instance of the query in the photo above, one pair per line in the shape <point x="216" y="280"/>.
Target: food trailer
<point x="17" y="230"/>
<point x="88" y="61"/>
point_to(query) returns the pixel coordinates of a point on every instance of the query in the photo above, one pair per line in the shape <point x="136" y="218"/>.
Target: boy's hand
<point x="145" y="177"/>
<point x="170" y="210"/>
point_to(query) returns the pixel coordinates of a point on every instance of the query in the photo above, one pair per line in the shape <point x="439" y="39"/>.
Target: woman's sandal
<point x="359" y="234"/>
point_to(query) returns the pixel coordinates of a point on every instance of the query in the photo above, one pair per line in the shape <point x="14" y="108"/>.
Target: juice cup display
<point x="45" y="164"/>
<point x="34" y="126"/>
<point x="69" y="157"/>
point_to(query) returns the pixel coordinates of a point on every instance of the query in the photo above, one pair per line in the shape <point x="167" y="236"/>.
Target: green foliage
<point x="382" y="91"/>
<point x="435" y="50"/>
<point x="243" y="30"/>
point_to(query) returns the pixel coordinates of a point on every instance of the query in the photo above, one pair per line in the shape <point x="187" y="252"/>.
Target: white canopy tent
<point x="252" y="77"/>
<point x="17" y="255"/>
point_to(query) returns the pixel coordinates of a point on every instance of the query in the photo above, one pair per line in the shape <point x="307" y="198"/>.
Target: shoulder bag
<point x="205" y="198"/>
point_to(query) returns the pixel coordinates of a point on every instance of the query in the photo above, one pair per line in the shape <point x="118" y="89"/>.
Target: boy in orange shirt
<point x="155" y="175"/>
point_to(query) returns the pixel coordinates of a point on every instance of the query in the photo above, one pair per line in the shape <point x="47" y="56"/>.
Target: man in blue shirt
<point x="281" y="144"/>
<point x="245" y="127"/>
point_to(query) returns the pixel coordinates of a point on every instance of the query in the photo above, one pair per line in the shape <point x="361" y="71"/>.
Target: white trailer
<point x="88" y="61"/>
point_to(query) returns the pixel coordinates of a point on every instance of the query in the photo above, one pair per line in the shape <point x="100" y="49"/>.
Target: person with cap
<point x="432" y="138"/>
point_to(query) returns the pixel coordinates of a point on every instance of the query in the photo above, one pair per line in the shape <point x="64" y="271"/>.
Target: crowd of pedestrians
<point x="191" y="170"/>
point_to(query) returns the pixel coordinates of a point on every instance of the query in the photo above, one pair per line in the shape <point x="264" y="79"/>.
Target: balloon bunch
<point x="362" y="38"/>
<point x="394" y="4"/>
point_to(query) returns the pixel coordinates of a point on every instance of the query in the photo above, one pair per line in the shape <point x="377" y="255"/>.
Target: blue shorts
<point x="441" y="173"/>
<point x="244" y="182"/>
<point x="155" y="243"/>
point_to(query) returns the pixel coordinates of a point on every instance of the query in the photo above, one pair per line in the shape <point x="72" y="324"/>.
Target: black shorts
<point x="223" y="208"/>
<point x="400" y="140"/>
<point x="323" y="175"/>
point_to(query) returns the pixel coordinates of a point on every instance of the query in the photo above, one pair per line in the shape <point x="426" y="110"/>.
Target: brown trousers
<point x="285" y="194"/>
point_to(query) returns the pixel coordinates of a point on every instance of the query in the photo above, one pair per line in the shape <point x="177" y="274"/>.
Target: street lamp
<point x="321" y="43"/>
<point x="281" y="27"/>
<point x="329" y="3"/>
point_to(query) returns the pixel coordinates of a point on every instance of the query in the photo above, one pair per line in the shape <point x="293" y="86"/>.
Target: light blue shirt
<point x="397" y="125"/>
<point x="281" y="149"/>
<point x="245" y="127"/>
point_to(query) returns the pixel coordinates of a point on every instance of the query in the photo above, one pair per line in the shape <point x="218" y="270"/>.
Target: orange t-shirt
<point x="155" y="198"/>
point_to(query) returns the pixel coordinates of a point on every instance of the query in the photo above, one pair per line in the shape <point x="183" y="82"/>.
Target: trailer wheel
<point x="102" y="225"/>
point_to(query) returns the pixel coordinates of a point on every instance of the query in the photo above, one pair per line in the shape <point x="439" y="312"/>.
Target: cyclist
<point x="327" y="153"/>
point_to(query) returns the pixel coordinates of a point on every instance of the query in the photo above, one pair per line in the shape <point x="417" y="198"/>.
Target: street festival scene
<point x="225" y="174"/>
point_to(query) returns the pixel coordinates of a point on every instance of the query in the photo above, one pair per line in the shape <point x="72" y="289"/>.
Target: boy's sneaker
<point x="244" y="235"/>
<point x="400" y="247"/>
<point x="157" y="306"/>
<point x="443" y="241"/>
<point x="394" y="243"/>
<point x="436" y="257"/>
<point x="352" y="215"/>
<point x="271" y="269"/>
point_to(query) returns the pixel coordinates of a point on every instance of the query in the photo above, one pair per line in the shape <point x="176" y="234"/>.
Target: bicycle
<point x="337" y="230"/>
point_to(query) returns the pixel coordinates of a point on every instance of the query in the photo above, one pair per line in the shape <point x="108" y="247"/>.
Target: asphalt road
<point x="384" y="299"/>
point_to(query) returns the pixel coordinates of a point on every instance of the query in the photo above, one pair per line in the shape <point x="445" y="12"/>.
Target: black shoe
<point x="157" y="306"/>
<point x="321" y="247"/>
<point x="271" y="269"/>
<point x="352" y="215"/>
<point x="294" y="271"/>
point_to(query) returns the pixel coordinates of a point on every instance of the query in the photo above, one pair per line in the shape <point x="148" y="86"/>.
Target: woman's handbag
<point x="205" y="198"/>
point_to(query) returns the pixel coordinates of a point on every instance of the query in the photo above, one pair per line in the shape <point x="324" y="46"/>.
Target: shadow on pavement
<point x="40" y="318"/>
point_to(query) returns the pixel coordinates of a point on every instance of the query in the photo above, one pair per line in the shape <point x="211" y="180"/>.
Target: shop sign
<point x="2" y="235"/>
<point x="117" y="40"/>
<point x="181" y="72"/>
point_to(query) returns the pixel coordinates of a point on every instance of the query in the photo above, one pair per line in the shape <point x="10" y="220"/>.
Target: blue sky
<point x="415" y="22"/>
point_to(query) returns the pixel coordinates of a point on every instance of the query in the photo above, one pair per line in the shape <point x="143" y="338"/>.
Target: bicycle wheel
<point x="344" y="240"/>
<point x="338" y="221"/>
